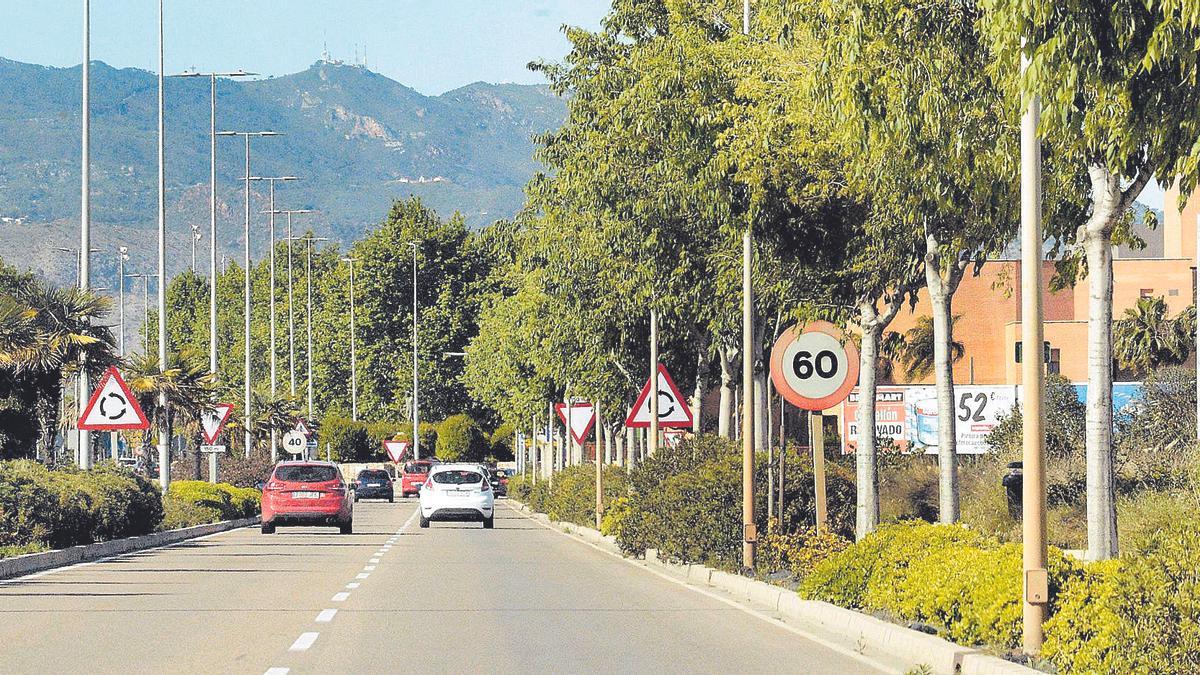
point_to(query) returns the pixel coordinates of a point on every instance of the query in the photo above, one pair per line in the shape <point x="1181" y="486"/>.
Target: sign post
<point x="212" y="421"/>
<point x="815" y="369"/>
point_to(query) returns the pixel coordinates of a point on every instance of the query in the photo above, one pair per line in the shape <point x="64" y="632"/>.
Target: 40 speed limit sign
<point x="814" y="367"/>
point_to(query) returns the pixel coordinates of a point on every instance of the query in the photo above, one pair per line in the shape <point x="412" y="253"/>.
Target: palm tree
<point x="185" y="385"/>
<point x="45" y="332"/>
<point x="917" y="349"/>
<point x="1146" y="338"/>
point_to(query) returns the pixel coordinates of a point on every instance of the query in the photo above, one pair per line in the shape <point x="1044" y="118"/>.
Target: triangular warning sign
<point x="303" y="428"/>
<point x="396" y="450"/>
<point x="213" y="420"/>
<point x="673" y="410"/>
<point x="581" y="419"/>
<point x="112" y="407"/>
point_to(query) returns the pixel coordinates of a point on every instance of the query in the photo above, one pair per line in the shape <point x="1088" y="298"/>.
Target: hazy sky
<point x="431" y="45"/>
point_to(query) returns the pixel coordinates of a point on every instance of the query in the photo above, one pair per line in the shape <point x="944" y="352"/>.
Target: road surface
<point x="391" y="597"/>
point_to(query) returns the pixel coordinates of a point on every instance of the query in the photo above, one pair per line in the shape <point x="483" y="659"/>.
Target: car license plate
<point x="306" y="495"/>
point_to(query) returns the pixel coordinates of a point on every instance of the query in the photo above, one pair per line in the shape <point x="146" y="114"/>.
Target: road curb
<point x="30" y="563"/>
<point x="939" y="654"/>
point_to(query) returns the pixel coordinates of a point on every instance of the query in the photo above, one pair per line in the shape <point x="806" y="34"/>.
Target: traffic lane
<point x="222" y="603"/>
<point x="522" y="598"/>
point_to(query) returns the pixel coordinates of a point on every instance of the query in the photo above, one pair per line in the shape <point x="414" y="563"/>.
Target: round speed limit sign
<point x="814" y="368"/>
<point x="294" y="442"/>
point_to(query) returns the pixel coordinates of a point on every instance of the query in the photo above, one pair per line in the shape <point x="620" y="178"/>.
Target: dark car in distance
<point x="373" y="484"/>
<point x="499" y="480"/>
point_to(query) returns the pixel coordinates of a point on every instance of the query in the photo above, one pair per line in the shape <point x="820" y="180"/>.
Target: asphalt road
<point x="389" y="598"/>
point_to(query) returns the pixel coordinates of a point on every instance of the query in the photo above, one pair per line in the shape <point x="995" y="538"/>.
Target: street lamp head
<point x="124" y="251"/>
<point x="348" y="259"/>
<point x="273" y="178"/>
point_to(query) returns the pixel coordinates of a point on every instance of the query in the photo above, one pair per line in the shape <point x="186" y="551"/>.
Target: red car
<point x="413" y="477"/>
<point x="307" y="493"/>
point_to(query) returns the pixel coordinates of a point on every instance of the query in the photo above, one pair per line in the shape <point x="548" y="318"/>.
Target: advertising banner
<point x="909" y="416"/>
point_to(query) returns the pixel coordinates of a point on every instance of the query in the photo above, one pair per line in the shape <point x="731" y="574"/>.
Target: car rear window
<point x="306" y="474"/>
<point x="416" y="468"/>
<point x="454" y="477"/>
<point x="373" y="475"/>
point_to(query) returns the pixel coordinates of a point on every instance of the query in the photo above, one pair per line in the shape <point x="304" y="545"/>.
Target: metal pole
<point x="291" y="313"/>
<point x="1033" y="497"/>
<point x="749" y="533"/>
<point x="416" y="380"/>
<point x="599" y="468"/>
<point x="353" y="350"/>
<point x="212" y="240"/>
<point x="85" y="217"/>
<point x="248" y="410"/>
<point x="652" y="439"/>
<point x="164" y="450"/>
<point x="121" y="256"/>
<point x="1196" y="302"/>
<point x="308" y="326"/>
<point x="816" y="426"/>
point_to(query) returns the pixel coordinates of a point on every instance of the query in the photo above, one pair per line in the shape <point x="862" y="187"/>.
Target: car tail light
<point x="274" y="486"/>
<point x="338" y="488"/>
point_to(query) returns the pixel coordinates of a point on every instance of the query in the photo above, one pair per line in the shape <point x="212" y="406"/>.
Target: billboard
<point x="909" y="416"/>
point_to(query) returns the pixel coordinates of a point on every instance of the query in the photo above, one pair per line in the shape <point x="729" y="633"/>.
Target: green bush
<point x="1135" y="615"/>
<point x="347" y="440"/>
<point x="191" y="502"/>
<point x="573" y="497"/>
<point x="67" y="507"/>
<point x="22" y="549"/>
<point x="966" y="584"/>
<point x="797" y="552"/>
<point x="459" y="439"/>
<point x="237" y="469"/>
<point x="686" y="501"/>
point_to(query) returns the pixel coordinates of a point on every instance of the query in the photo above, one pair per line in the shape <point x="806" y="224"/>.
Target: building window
<point x="1174" y="292"/>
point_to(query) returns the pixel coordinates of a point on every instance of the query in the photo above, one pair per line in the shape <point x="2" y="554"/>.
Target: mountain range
<point x="355" y="139"/>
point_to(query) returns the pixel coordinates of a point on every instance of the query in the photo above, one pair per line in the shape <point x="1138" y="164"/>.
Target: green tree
<point x="1119" y="85"/>
<point x="918" y="347"/>
<point x="459" y="439"/>
<point x="1147" y="337"/>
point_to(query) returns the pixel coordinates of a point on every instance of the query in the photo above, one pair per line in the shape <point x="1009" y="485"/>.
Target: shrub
<point x="346" y="439"/>
<point x="192" y="502"/>
<point x="21" y="549"/>
<point x="797" y="552"/>
<point x="66" y="507"/>
<point x="572" y="499"/>
<point x="459" y="439"/>
<point x="613" y="521"/>
<point x="966" y="584"/>
<point x="1138" y="614"/>
<point x="237" y="469"/>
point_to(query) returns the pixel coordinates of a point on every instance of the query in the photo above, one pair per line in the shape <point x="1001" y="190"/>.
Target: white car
<point x="457" y="492"/>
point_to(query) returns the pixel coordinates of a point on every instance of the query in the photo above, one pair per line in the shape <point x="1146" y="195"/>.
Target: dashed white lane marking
<point x="353" y="585"/>
<point x="374" y="561"/>
<point x="277" y="671"/>
<point x="326" y="616"/>
<point x="303" y="642"/>
<point x="362" y="575"/>
<point x="340" y="597"/>
<point x="369" y="568"/>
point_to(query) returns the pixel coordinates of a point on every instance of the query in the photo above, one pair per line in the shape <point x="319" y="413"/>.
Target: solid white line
<point x="845" y="651"/>
<point x="277" y="671"/>
<point x="352" y="585"/>
<point x="362" y="575"/>
<point x="113" y="557"/>
<point x="339" y="597"/>
<point x="326" y="616"/>
<point x="303" y="642"/>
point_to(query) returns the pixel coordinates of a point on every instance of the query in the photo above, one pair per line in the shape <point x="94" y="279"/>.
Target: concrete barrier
<point x="30" y="563"/>
<point x="941" y="655"/>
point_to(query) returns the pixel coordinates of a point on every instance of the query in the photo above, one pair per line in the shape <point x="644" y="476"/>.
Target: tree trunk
<point x="1097" y="241"/>
<point x="630" y="447"/>
<point x="867" y="483"/>
<point x="727" y="357"/>
<point x="620" y="459"/>
<point x="941" y="294"/>
<point x="702" y="367"/>
<point x="871" y="323"/>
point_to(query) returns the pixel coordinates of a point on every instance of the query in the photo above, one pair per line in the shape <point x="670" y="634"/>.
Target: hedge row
<point x="573" y="497"/>
<point x="193" y="502"/>
<point x="66" y="507"/>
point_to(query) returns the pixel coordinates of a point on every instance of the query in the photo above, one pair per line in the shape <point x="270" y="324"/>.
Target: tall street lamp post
<point x="212" y="207"/>
<point x="309" y="322"/>
<point x="271" y="181"/>
<point x="416" y="410"/>
<point x="247" y="411"/>
<point x="85" y="216"/>
<point x="122" y="258"/>
<point x="291" y="298"/>
<point x="353" y="347"/>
